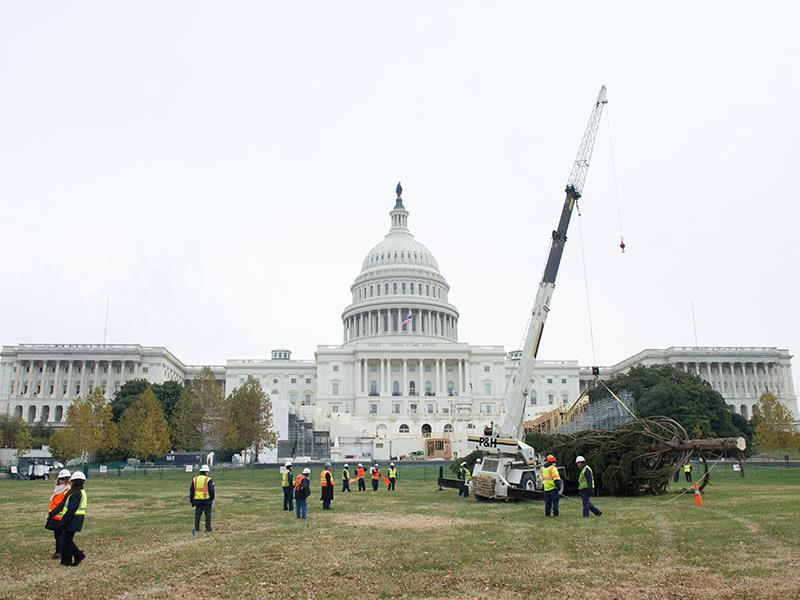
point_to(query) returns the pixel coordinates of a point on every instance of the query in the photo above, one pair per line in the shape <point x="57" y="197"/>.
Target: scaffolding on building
<point x="606" y="413"/>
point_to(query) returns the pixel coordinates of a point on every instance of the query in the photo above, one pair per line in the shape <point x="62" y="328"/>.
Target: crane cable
<point x="614" y="177"/>
<point x="586" y="285"/>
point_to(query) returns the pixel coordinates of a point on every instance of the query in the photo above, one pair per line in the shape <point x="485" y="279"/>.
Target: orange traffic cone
<point x="698" y="499"/>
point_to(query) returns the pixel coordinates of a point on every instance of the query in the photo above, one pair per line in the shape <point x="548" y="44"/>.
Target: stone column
<point x="405" y="377"/>
<point x="109" y="375"/>
<point x="437" y="380"/>
<point x="96" y="375"/>
<point x="30" y="378"/>
<point x="460" y="386"/>
<point x="70" y="387"/>
<point x="83" y="377"/>
<point x="17" y="378"/>
<point x="381" y="383"/>
<point x="57" y="380"/>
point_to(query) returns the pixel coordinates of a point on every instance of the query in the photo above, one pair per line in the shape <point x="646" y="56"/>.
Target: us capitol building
<point x="400" y="380"/>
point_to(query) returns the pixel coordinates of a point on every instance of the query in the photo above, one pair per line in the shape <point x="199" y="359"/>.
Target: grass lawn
<point x="415" y="543"/>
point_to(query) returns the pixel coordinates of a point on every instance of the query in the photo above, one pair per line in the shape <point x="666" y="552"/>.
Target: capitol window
<point x="428" y="368"/>
<point x="334" y="389"/>
<point x="487" y="369"/>
<point x="404" y="428"/>
<point x="551" y="398"/>
<point x="334" y="408"/>
<point x="308" y="379"/>
<point x="427" y="289"/>
<point x="396" y="409"/>
<point x="412" y="288"/>
<point x="564" y="397"/>
<point x="448" y="428"/>
<point x="335" y="367"/>
<point x="430" y="409"/>
<point x="308" y="398"/>
<point x="487" y="389"/>
<point x="394" y="288"/>
<point x="373" y="409"/>
<point x="563" y="380"/>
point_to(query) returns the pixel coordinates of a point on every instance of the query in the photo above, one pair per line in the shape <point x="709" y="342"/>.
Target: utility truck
<point x="512" y="468"/>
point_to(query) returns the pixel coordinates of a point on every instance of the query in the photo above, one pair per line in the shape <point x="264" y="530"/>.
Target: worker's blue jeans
<point x="587" y="505"/>
<point x="301" y="506"/>
<point x="288" y="494"/>
<point x="551" y="499"/>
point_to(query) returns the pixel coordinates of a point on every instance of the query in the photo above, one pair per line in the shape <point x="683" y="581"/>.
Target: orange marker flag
<point x="385" y="480"/>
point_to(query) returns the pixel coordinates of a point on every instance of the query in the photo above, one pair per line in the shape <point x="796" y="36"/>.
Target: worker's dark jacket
<point x="70" y="521"/>
<point x="201" y="502"/>
<point x="304" y="491"/>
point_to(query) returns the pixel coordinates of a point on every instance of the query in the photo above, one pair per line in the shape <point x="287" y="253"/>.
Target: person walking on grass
<point x="326" y="484"/>
<point x="586" y="487"/>
<point x="57" y="499"/>
<point x="287" y="483"/>
<point x="345" y="478"/>
<point x="72" y="516"/>
<point x="687" y="471"/>
<point x="302" y="490"/>
<point x="392" y="473"/>
<point x="201" y="496"/>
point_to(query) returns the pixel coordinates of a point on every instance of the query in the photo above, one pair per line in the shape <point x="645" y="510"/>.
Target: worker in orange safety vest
<point x="326" y="484"/>
<point x="60" y="492"/>
<point x="361" y="474"/>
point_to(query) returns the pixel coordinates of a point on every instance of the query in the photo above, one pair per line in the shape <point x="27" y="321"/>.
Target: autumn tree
<point x="247" y="418"/>
<point x="198" y="414"/>
<point x="127" y="393"/>
<point x="23" y="439"/>
<point x="143" y="430"/>
<point x="89" y="428"/>
<point x="774" y="427"/>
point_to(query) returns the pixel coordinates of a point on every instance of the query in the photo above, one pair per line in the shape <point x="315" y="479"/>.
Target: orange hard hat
<point x="551" y="458"/>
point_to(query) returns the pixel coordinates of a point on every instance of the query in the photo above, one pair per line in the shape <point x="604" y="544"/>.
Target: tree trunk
<point x="711" y="444"/>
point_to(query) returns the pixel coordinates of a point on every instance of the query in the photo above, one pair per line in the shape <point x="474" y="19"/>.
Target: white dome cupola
<point x="400" y="291"/>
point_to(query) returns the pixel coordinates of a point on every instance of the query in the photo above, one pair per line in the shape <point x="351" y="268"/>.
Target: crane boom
<point x="512" y="424"/>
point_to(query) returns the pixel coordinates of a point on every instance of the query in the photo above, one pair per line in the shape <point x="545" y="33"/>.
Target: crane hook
<point x="622" y="245"/>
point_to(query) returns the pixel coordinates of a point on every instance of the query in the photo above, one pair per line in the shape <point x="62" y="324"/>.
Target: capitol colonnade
<point x="361" y="324"/>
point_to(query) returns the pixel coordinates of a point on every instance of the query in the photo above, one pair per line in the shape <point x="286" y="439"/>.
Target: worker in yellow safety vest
<point x="287" y="483"/>
<point x="326" y="484"/>
<point x="392" y="473"/>
<point x="687" y="472"/>
<point x="552" y="486"/>
<point x="59" y="496"/>
<point x="586" y="487"/>
<point x="464" y="475"/>
<point x="201" y="496"/>
<point x="72" y="517"/>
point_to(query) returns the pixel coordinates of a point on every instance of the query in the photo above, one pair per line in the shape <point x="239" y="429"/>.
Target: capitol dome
<point x="400" y="291"/>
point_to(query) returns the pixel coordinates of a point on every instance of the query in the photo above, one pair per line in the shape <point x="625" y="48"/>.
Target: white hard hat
<point x="327" y="464"/>
<point x="463" y="464"/>
<point x="204" y="468"/>
<point x="288" y="464"/>
<point x="579" y="459"/>
<point x="306" y="471"/>
<point x="478" y="460"/>
<point x="360" y="465"/>
<point x="345" y="465"/>
<point x="391" y="464"/>
<point x="78" y="475"/>
<point x="63" y="473"/>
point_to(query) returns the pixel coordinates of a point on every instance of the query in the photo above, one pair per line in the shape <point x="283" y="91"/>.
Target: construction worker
<point x="361" y="474"/>
<point x="687" y="472"/>
<point x="201" y="496"/>
<point x="57" y="499"/>
<point x="586" y="487"/>
<point x="287" y="483"/>
<point x="346" y="478"/>
<point x="376" y="477"/>
<point x="326" y="484"/>
<point x="466" y="476"/>
<point x="676" y="476"/>
<point x="392" y="478"/>
<point x="72" y="516"/>
<point x="552" y="486"/>
<point x="302" y="490"/>
<point x="476" y="467"/>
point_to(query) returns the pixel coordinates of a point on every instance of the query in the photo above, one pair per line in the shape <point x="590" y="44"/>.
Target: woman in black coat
<point x="72" y="517"/>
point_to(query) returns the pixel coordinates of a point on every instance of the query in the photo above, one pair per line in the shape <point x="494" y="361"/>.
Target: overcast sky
<point x="220" y="170"/>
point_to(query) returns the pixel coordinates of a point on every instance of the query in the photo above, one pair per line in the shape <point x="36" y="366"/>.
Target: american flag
<point x="408" y="319"/>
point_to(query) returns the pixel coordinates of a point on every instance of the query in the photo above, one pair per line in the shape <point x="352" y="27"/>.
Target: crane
<point x="512" y="465"/>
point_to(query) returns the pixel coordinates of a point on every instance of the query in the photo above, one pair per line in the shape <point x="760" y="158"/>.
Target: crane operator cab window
<point x="489" y="465"/>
